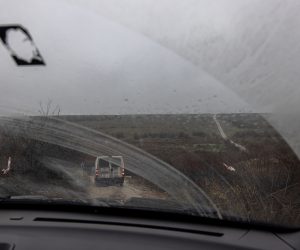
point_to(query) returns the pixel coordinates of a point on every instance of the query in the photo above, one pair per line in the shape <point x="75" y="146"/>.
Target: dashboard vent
<point x="187" y="230"/>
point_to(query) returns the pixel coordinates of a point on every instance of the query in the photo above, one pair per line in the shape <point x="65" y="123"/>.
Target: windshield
<point x="187" y="107"/>
<point x="103" y="163"/>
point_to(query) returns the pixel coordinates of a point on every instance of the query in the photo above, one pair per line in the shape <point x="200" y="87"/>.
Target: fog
<point x="251" y="47"/>
<point x="97" y="66"/>
<point x="169" y="56"/>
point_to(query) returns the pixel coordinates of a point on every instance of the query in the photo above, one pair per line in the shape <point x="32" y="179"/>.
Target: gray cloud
<point x="95" y="66"/>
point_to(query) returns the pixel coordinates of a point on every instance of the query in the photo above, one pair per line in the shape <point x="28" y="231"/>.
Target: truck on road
<point x="109" y="171"/>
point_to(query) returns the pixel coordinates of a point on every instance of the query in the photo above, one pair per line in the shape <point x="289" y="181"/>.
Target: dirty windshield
<point x="187" y="107"/>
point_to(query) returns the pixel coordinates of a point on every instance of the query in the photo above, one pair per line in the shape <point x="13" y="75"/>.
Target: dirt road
<point x="225" y="137"/>
<point x="131" y="187"/>
<point x="127" y="191"/>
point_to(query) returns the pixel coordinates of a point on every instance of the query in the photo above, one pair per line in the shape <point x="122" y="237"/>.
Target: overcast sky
<point x="250" y="46"/>
<point x="95" y="65"/>
<point x="146" y="56"/>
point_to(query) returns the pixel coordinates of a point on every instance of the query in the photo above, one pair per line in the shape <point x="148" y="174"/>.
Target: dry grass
<point x="264" y="187"/>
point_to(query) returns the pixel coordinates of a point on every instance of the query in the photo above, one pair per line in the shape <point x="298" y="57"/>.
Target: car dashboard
<point x="53" y="229"/>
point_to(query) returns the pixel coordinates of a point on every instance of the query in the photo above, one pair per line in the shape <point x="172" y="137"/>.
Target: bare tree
<point x="47" y="110"/>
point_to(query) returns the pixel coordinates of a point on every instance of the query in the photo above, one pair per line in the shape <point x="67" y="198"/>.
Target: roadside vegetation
<point x="261" y="183"/>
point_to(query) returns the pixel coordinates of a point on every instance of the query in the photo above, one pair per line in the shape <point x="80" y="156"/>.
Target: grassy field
<point x="264" y="184"/>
